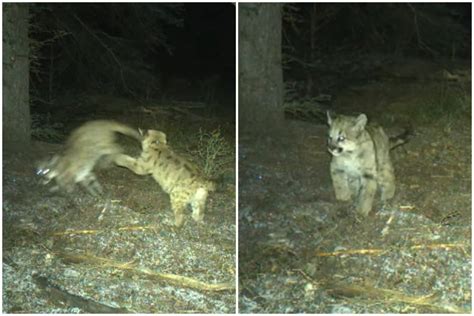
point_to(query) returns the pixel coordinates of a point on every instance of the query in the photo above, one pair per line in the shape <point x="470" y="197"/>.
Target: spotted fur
<point x="176" y="176"/>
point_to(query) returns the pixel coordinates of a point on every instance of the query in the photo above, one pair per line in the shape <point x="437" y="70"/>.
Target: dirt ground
<point x="300" y="251"/>
<point x="72" y="253"/>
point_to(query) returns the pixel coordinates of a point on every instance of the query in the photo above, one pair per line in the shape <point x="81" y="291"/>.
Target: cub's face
<point x="46" y="168"/>
<point x="153" y="138"/>
<point x="344" y="132"/>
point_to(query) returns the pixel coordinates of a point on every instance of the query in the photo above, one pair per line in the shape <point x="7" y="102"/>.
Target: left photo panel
<point x="119" y="158"/>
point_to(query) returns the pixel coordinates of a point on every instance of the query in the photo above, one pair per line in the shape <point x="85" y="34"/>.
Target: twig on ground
<point x="377" y="252"/>
<point x="351" y="252"/>
<point x="98" y="231"/>
<point x="386" y="295"/>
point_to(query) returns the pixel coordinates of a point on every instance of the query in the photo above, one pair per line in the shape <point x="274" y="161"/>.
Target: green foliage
<point x="213" y="152"/>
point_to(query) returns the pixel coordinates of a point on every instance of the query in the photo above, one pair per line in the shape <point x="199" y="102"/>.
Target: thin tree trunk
<point x="16" y="110"/>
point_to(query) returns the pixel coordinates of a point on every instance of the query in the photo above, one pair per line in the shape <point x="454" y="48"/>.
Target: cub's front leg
<point x="366" y="195"/>
<point x="340" y="182"/>
<point x="136" y="165"/>
<point x="178" y="204"/>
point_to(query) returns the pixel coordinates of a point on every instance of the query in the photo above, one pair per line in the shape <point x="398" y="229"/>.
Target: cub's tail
<point x="401" y="139"/>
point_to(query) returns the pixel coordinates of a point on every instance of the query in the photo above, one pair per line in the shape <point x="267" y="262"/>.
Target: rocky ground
<point x="71" y="253"/>
<point x="300" y="251"/>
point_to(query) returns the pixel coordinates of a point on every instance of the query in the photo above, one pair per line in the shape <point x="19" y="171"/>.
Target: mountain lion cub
<point x="176" y="176"/>
<point x="88" y="145"/>
<point x="360" y="160"/>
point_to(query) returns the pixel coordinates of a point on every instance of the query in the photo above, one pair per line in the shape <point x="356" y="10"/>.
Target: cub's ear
<point x="328" y="113"/>
<point x="161" y="140"/>
<point x="361" y="120"/>
<point x="161" y="137"/>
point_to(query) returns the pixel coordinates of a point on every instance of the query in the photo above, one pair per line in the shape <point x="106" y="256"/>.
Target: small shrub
<point x="213" y="152"/>
<point x="446" y="103"/>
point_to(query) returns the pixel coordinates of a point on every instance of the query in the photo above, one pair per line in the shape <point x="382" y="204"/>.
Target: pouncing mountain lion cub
<point x="360" y="160"/>
<point x="92" y="143"/>
<point x="176" y="176"/>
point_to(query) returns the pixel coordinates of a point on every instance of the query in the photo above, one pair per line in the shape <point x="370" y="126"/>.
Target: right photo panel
<point x="354" y="158"/>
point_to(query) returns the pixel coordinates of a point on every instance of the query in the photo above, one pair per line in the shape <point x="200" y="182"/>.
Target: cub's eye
<point x="341" y="139"/>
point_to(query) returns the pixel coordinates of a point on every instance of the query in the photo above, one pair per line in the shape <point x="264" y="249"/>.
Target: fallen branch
<point x="173" y="279"/>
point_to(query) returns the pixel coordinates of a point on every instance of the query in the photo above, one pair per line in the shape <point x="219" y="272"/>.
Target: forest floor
<point x="301" y="251"/>
<point x="72" y="253"/>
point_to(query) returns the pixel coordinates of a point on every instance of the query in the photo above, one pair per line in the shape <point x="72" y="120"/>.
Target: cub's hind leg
<point x="387" y="183"/>
<point x="198" y="203"/>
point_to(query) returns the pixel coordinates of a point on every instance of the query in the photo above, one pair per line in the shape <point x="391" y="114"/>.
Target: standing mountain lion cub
<point x="91" y="143"/>
<point x="360" y="160"/>
<point x="176" y="176"/>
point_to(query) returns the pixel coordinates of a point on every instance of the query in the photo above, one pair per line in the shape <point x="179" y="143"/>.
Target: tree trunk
<point x="260" y="70"/>
<point x="16" y="110"/>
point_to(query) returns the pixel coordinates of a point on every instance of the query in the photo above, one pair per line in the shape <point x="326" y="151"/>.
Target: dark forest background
<point x="136" y="50"/>
<point x="351" y="40"/>
<point x="326" y="47"/>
